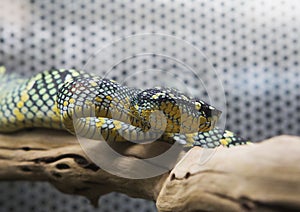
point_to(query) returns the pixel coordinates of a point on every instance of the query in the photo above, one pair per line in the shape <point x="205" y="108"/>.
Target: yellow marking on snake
<point x="94" y="84"/>
<point x="18" y="114"/>
<point x="225" y="141"/>
<point x="109" y="98"/>
<point x="117" y="125"/>
<point x="24" y="97"/>
<point x="98" y="99"/>
<point x="197" y="106"/>
<point x="20" y="104"/>
<point x="100" y="123"/>
<point x="72" y="101"/>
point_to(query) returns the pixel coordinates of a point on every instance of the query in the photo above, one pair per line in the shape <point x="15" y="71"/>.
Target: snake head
<point x="182" y="114"/>
<point x="210" y="113"/>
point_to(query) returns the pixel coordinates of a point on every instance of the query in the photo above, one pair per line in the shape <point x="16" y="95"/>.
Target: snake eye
<point x="197" y="106"/>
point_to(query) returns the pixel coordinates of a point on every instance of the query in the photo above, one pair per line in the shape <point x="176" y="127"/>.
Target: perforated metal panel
<point x="247" y="50"/>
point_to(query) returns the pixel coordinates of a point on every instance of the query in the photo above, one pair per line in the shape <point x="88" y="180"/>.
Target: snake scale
<point x="103" y="109"/>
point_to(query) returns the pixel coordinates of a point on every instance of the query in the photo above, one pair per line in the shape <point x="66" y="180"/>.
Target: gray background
<point x="247" y="50"/>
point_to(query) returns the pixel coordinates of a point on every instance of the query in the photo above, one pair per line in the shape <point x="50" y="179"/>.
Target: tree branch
<point x="57" y="157"/>
<point x="258" y="177"/>
<point x="264" y="176"/>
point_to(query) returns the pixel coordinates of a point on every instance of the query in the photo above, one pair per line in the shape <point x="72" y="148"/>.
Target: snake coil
<point x="103" y="109"/>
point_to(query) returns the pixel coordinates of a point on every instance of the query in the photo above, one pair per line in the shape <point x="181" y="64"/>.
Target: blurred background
<point x="241" y="56"/>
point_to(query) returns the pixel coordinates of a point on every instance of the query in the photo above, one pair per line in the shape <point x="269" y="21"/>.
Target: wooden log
<point x="57" y="157"/>
<point x="264" y="176"/>
<point x="258" y="177"/>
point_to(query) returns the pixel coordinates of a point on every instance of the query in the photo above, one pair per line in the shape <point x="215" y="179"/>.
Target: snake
<point x="102" y="109"/>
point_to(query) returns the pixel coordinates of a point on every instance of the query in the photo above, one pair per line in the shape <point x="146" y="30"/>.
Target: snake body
<point x="103" y="109"/>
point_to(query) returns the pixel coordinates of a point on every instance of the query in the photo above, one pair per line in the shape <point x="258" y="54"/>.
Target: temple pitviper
<point x="102" y="109"/>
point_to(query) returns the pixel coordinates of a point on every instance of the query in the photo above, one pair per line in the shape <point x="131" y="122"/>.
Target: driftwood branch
<point x="264" y="176"/>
